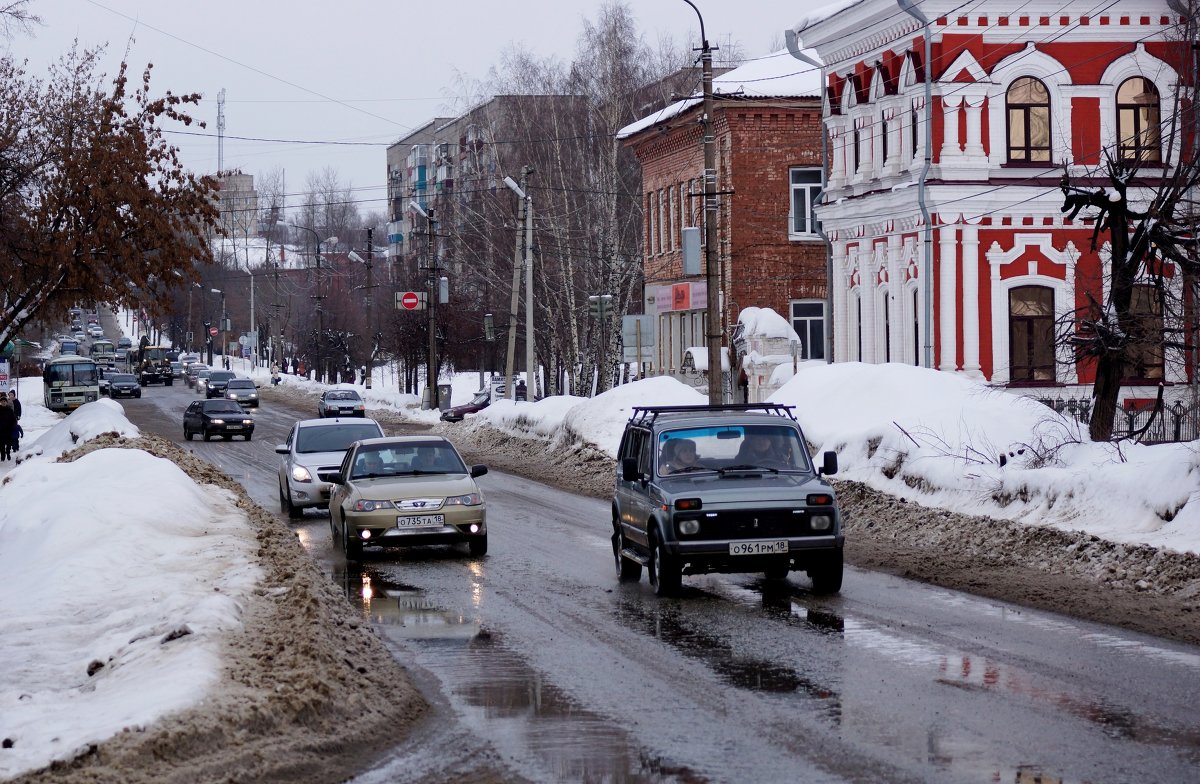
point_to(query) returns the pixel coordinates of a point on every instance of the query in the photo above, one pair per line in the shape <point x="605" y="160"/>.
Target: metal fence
<point x="1176" y="422"/>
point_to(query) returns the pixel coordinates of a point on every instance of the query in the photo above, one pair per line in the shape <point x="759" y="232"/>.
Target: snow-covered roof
<point x="823" y="13"/>
<point x="776" y="75"/>
<point x="765" y="323"/>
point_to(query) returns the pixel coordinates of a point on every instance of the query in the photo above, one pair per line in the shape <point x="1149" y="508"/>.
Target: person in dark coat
<point x="15" y="402"/>
<point x="8" y="428"/>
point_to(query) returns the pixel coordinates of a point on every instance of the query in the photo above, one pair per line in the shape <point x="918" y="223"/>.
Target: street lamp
<point x="224" y="341"/>
<point x="318" y="296"/>
<point x="529" y="361"/>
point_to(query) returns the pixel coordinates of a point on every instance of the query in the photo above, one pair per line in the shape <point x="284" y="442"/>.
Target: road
<point x="537" y="661"/>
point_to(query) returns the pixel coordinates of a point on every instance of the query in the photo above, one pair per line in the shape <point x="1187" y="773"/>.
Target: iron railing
<point x="1175" y="423"/>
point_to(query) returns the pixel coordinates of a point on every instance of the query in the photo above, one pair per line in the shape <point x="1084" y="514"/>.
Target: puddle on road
<point x="743" y="672"/>
<point x="501" y="697"/>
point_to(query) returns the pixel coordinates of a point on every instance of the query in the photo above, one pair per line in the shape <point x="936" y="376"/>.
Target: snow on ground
<point x="120" y="575"/>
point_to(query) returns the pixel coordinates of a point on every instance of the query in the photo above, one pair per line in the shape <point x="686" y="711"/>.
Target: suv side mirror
<point x="830" y="466"/>
<point x="629" y="470"/>
<point x="478" y="470"/>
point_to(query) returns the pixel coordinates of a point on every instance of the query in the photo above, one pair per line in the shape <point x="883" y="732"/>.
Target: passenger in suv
<point x="723" y="489"/>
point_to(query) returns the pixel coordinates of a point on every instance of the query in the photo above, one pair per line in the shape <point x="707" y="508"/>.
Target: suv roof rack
<point x="645" y="415"/>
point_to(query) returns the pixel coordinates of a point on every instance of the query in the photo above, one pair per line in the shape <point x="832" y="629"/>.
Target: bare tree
<point x="15" y="17"/>
<point x="1145" y="316"/>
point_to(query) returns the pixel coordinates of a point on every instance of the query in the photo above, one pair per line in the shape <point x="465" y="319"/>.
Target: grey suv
<point x="723" y="489"/>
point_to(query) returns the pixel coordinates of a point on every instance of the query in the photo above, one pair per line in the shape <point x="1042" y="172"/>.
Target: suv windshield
<point x="220" y="375"/>
<point x="731" y="448"/>
<point x="334" y="438"/>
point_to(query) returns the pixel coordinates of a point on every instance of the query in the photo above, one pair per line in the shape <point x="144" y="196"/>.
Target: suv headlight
<point x="365" y="505"/>
<point x="689" y="527"/>
<point x="821" y="522"/>
<point x="470" y="499"/>
<point x="301" y="474"/>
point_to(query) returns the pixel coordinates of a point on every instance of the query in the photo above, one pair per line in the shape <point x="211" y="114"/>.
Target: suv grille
<point x="752" y="524"/>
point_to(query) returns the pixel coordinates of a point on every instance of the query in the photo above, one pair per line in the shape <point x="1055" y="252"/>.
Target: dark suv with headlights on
<point x="723" y="489"/>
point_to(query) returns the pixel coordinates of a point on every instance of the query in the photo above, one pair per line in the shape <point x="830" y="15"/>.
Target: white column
<point x="919" y="118"/>
<point x="947" y="298"/>
<point x="841" y="285"/>
<point x="951" y="148"/>
<point x="895" y="293"/>
<point x="837" y="156"/>
<point x="971" y="293"/>
<point x="868" y="273"/>
<point x="974" y="109"/>
<point x="895" y="142"/>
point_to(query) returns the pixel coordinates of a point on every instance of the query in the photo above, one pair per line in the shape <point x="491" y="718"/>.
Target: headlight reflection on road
<point x="476" y="583"/>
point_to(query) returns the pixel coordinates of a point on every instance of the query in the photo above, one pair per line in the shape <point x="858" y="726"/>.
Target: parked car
<point x="482" y="399"/>
<point x="312" y="446"/>
<point x="217" y="380"/>
<point x="210" y="418"/>
<point x="406" y="491"/>
<point x="341" y="402"/>
<point x="243" y="390"/>
<point x="123" y="385"/>
<point x="723" y="489"/>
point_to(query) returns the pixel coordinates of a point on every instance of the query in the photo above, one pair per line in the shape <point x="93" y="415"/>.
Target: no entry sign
<point x="212" y="331"/>
<point x="409" y="300"/>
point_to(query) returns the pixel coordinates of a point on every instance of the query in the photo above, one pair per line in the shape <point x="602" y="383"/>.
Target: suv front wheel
<point x="827" y="576"/>
<point x="665" y="574"/>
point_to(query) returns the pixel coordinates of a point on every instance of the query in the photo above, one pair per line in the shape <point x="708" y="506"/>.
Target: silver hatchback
<point x="315" y="445"/>
<point x="243" y="390"/>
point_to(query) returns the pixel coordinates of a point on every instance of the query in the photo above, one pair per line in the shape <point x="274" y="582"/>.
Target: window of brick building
<point x="806" y="191"/>
<point x="1138" y="122"/>
<point x="672" y="229"/>
<point x="1028" y="121"/>
<point x="1144" y="356"/>
<point x="651" y="225"/>
<point x="808" y="319"/>
<point x="1031" y="333"/>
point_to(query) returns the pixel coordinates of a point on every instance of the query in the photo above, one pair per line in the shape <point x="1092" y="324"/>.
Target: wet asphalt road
<point x="538" y="657"/>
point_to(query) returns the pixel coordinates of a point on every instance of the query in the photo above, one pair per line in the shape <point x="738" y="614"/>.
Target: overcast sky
<point x="354" y="71"/>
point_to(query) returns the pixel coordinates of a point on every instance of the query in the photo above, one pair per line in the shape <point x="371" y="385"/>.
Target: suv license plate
<point x="420" y="521"/>
<point x="758" y="548"/>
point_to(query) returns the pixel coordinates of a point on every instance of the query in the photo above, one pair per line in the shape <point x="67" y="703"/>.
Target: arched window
<point x="1031" y="333"/>
<point x="1144" y="354"/>
<point x="1028" y="121"/>
<point x="1138" y="122"/>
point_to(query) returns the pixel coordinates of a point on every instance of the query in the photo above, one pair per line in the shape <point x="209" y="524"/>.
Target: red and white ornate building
<point x="961" y="259"/>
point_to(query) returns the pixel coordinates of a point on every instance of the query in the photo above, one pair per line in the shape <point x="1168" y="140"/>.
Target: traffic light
<point x="600" y="305"/>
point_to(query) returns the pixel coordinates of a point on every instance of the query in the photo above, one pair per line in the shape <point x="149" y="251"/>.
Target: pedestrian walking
<point x="8" y="428"/>
<point x="15" y="402"/>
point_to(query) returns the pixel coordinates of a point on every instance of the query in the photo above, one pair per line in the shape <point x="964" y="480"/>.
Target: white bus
<point x="70" y="382"/>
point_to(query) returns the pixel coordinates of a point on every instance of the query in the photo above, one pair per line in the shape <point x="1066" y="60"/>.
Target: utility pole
<point x="510" y="359"/>
<point x="530" y="361"/>
<point x="431" y="261"/>
<point x="320" y="315"/>
<point x="716" y="393"/>
<point x="370" y="323"/>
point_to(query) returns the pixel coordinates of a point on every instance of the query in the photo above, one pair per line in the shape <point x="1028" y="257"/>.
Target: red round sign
<point x="409" y="300"/>
<point x="212" y="331"/>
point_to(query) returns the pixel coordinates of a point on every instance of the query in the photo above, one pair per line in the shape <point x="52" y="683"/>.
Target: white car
<point x="316" y="445"/>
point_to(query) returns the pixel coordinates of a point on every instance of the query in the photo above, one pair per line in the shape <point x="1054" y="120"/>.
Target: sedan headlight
<point x="247" y="421"/>
<point x="470" y="499"/>
<point x="232" y="396"/>
<point x="218" y="421"/>
<point x="301" y="474"/>
<point x="370" y="506"/>
<point x="821" y="522"/>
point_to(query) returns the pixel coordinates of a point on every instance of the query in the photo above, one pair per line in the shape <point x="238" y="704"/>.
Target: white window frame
<point x="805" y="343"/>
<point x="812" y="194"/>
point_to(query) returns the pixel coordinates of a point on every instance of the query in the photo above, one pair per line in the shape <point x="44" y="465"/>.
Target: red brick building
<point x="768" y="133"/>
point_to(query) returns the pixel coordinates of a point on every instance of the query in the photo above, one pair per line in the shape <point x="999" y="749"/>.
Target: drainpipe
<point x="910" y="7"/>
<point x="793" y="46"/>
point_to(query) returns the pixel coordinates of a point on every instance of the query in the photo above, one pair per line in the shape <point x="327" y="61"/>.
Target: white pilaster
<point x="948" y="298"/>
<point x="841" y="290"/>
<point x="868" y="288"/>
<point x="895" y="290"/>
<point x="951" y="147"/>
<point x="970" y="306"/>
<point x="974" y="109"/>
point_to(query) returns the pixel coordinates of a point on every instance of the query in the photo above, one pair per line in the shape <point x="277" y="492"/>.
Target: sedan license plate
<point x="759" y="548"/>
<point x="233" y="427"/>
<point x="421" y="521"/>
